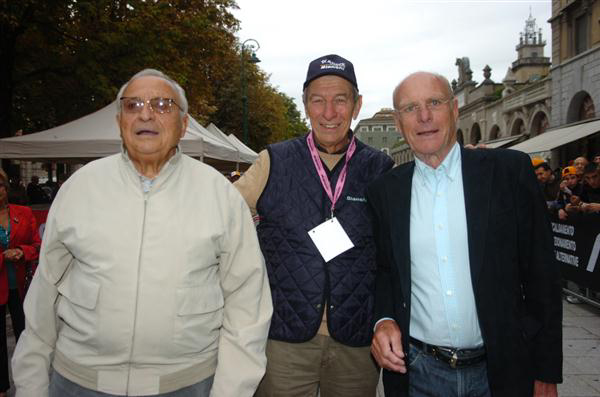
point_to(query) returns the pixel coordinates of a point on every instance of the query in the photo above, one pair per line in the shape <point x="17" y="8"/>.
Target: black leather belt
<point x="455" y="358"/>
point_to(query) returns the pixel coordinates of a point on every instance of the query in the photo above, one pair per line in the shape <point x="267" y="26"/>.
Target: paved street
<point x="581" y="345"/>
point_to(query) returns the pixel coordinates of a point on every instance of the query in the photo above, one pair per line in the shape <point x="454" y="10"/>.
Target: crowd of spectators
<point x="574" y="189"/>
<point x="35" y="193"/>
<point x="571" y="191"/>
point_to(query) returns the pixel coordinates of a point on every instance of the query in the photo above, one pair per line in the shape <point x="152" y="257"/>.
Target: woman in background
<point x="19" y="242"/>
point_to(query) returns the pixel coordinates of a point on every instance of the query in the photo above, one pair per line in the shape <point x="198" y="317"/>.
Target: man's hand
<point x="386" y="346"/>
<point x="542" y="389"/>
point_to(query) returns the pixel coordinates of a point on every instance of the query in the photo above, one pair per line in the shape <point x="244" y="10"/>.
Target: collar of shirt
<point x="341" y="151"/>
<point x="449" y="168"/>
<point x="144" y="180"/>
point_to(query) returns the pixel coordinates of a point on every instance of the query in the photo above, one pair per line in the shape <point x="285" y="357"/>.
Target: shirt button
<point x="331" y="307"/>
<point x="440" y="226"/>
<point x="438" y="195"/>
<point x="318" y="305"/>
<point x="454" y="326"/>
<point x="444" y="259"/>
<point x="449" y="292"/>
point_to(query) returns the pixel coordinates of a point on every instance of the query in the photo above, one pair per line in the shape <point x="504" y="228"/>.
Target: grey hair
<point x="355" y="94"/>
<point x="182" y="100"/>
<point x="437" y="76"/>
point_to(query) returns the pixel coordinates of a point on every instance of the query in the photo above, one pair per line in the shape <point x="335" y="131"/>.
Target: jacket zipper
<point x="137" y="292"/>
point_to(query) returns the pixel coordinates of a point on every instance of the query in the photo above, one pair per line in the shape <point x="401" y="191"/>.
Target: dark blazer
<point x="515" y="276"/>
<point x="24" y="234"/>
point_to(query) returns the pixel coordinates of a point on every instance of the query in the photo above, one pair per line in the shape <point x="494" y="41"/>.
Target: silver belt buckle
<point x="454" y="359"/>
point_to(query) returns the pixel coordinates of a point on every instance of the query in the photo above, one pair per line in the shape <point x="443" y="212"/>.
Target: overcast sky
<point x="387" y="39"/>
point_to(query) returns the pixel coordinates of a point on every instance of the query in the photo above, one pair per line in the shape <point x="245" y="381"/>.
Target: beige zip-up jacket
<point x="145" y="293"/>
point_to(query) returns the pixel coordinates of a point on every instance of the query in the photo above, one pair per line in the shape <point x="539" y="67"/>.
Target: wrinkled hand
<point x="386" y="346"/>
<point x="542" y="389"/>
<point x="13" y="254"/>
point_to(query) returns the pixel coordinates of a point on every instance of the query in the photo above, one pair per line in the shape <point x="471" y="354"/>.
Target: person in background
<point x="468" y="293"/>
<point x="234" y="176"/>
<point x="579" y="163"/>
<point x="151" y="281"/>
<point x="569" y="196"/>
<point x="590" y="197"/>
<point x="36" y="194"/>
<point x="19" y="242"/>
<point x="323" y="308"/>
<point x="549" y="183"/>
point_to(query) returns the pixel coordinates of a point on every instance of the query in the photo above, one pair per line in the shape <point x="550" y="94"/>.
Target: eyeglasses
<point x="158" y="105"/>
<point x="432" y="104"/>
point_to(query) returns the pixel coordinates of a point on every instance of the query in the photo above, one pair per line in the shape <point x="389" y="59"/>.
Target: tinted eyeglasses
<point x="157" y="105"/>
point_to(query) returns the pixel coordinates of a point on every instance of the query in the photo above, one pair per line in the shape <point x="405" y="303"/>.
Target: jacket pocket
<point x="199" y="317"/>
<point x="80" y="291"/>
<point x="76" y="309"/>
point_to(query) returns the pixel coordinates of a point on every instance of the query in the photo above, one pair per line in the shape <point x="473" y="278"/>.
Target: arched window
<point x="494" y="133"/>
<point x="540" y="124"/>
<point x="518" y="127"/>
<point x="581" y="107"/>
<point x="459" y="137"/>
<point x="475" y="134"/>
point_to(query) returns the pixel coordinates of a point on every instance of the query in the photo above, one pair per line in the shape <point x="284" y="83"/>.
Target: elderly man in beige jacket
<point x="151" y="280"/>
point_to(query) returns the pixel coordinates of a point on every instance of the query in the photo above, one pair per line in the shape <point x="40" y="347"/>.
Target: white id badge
<point x="330" y="239"/>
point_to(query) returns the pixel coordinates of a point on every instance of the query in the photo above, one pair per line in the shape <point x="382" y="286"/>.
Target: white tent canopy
<point x="97" y="135"/>
<point x="246" y="154"/>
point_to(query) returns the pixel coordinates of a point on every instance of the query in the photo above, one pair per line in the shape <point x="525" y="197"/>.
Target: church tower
<point x="531" y="64"/>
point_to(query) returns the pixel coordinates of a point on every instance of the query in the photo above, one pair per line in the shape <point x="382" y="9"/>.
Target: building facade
<point x="515" y="109"/>
<point x="379" y="131"/>
<point x="500" y="114"/>
<point x="575" y="69"/>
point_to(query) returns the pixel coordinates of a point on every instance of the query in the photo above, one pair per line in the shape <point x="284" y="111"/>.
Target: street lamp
<point x="253" y="46"/>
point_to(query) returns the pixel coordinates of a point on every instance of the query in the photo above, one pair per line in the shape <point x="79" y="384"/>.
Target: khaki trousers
<point x="321" y="364"/>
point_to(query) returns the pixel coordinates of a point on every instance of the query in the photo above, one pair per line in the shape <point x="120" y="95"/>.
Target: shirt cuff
<point x="380" y="320"/>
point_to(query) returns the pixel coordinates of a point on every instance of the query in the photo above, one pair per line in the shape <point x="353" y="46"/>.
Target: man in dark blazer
<point x="468" y="296"/>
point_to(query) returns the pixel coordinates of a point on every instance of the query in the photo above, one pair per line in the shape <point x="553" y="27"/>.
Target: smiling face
<point x="330" y="106"/>
<point x="430" y="130"/>
<point x="149" y="136"/>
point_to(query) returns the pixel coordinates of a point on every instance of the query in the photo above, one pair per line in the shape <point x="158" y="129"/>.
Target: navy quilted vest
<point x="302" y="284"/>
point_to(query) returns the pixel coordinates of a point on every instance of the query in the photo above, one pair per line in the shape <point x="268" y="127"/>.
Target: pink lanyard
<point x="323" y="175"/>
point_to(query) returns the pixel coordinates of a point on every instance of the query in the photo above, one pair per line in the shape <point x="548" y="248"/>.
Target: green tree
<point x="63" y="59"/>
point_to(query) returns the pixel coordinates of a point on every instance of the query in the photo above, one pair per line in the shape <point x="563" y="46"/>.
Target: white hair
<point x="182" y="100"/>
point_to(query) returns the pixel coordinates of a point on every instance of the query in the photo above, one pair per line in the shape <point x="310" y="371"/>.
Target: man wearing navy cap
<point x="316" y="236"/>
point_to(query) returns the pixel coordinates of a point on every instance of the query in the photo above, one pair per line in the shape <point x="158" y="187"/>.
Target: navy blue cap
<point x="330" y="65"/>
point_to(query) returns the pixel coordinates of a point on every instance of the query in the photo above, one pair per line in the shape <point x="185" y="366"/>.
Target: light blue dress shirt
<point x="443" y="309"/>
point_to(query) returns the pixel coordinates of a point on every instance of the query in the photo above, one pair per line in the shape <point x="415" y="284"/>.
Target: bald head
<point x="426" y="115"/>
<point x="397" y="95"/>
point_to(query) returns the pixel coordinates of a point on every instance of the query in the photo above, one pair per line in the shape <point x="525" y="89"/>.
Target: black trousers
<point x="15" y="307"/>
